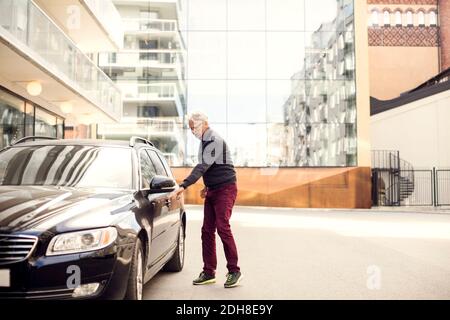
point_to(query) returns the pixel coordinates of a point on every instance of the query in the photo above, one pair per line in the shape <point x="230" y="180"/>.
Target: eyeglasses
<point x="196" y="127"/>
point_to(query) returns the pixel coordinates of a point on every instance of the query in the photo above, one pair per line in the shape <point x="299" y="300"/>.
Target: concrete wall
<point x="362" y="83"/>
<point x="394" y="70"/>
<point x="402" y="57"/>
<point x="420" y="130"/>
<point x="444" y="20"/>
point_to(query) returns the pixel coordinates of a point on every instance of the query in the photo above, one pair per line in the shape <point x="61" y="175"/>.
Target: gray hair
<point x="198" y="116"/>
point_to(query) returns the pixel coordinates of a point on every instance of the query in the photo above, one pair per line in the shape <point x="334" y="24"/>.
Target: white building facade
<point x="150" y="70"/>
<point x="416" y="124"/>
<point x="47" y="78"/>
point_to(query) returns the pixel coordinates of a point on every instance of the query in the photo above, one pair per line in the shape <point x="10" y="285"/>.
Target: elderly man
<point x="216" y="168"/>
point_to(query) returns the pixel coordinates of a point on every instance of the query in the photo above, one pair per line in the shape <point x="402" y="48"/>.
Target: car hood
<point x="58" y="209"/>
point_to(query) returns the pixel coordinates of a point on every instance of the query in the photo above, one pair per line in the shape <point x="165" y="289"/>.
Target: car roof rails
<point x="34" y="138"/>
<point x="134" y="140"/>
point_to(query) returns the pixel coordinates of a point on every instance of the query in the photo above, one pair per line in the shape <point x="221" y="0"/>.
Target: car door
<point x="156" y="210"/>
<point x="172" y="215"/>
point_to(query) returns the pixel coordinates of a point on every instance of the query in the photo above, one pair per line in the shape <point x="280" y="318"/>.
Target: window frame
<point x="421" y="19"/>
<point x="398" y="18"/>
<point x="410" y="18"/>
<point x="157" y="158"/>
<point x="432" y="18"/>
<point x="375" y="18"/>
<point x="386" y="18"/>
<point x="141" y="180"/>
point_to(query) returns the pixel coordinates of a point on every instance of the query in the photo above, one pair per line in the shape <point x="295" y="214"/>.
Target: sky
<point x="242" y="54"/>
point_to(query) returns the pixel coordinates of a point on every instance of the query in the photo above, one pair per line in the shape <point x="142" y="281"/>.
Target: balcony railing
<point x="107" y="14"/>
<point x="152" y="92"/>
<point x="155" y="125"/>
<point x="33" y="29"/>
<point x="150" y="25"/>
<point x="148" y="127"/>
<point x="141" y="58"/>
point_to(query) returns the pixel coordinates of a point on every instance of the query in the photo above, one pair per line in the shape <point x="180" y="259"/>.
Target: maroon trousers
<point x="217" y="213"/>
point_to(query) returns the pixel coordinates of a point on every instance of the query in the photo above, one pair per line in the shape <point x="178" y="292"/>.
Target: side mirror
<point x="158" y="184"/>
<point x="161" y="184"/>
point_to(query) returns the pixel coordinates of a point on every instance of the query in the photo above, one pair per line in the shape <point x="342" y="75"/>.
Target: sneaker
<point x="204" y="278"/>
<point x="233" y="279"/>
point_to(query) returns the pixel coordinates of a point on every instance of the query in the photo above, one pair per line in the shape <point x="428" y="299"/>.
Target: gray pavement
<point x="321" y="254"/>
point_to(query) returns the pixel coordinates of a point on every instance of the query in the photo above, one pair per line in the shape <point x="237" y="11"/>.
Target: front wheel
<point x="136" y="279"/>
<point x="176" y="263"/>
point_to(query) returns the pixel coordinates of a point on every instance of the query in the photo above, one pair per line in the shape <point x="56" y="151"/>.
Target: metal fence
<point x="442" y="187"/>
<point x="411" y="187"/>
<point x="419" y="190"/>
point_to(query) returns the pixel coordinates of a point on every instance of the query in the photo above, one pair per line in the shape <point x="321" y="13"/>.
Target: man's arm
<point x="195" y="175"/>
<point x="214" y="152"/>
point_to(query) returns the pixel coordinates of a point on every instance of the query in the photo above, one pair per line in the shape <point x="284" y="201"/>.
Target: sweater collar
<point x="207" y="135"/>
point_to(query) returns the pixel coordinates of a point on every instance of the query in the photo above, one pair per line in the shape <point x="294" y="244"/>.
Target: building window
<point x="20" y="118"/>
<point x="341" y="42"/>
<point x="387" y="18"/>
<point x="45" y="124"/>
<point x="374" y="19"/>
<point x="59" y="128"/>
<point x="409" y="18"/>
<point x="433" y="18"/>
<point x="398" y="18"/>
<point x="421" y="18"/>
<point x="12" y="121"/>
<point x="29" y="119"/>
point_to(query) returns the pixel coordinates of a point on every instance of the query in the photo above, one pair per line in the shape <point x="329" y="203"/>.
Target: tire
<point x="136" y="279"/>
<point x="176" y="263"/>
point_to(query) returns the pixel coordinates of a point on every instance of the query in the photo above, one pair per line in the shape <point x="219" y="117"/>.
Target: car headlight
<point x="82" y="241"/>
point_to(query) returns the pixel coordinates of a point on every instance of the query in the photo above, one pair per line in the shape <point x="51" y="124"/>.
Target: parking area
<point x="321" y="254"/>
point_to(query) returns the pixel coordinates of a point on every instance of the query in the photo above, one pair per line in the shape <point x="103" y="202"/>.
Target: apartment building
<point x="407" y="45"/>
<point x="47" y="79"/>
<point x="150" y="70"/>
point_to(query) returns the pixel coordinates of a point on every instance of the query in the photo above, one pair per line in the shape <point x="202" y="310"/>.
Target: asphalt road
<point x="321" y="254"/>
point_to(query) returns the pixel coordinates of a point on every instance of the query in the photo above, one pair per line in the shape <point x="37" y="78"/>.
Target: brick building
<point x="407" y="44"/>
<point x="444" y="17"/>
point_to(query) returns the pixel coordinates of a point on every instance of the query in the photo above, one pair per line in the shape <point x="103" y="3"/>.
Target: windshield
<point x="67" y="166"/>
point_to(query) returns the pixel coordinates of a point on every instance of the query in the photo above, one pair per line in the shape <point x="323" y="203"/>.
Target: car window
<point x="148" y="170"/>
<point x="161" y="171"/>
<point x="166" y="165"/>
<point x="68" y="166"/>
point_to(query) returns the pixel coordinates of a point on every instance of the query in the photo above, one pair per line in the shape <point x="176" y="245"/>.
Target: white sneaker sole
<point x="212" y="281"/>
<point x="236" y="284"/>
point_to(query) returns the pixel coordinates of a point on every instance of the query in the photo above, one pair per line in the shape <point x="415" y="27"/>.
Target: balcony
<point x="33" y="47"/>
<point x="139" y="25"/>
<point x="94" y="25"/>
<point x="165" y="96"/>
<point x="166" y="133"/>
<point x="163" y="59"/>
<point x="143" y="127"/>
<point x="169" y="62"/>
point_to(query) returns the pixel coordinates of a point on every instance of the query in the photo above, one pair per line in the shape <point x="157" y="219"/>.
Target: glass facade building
<point x="30" y="26"/>
<point x="280" y="79"/>
<point x="320" y="115"/>
<point x="275" y="77"/>
<point x="150" y="71"/>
